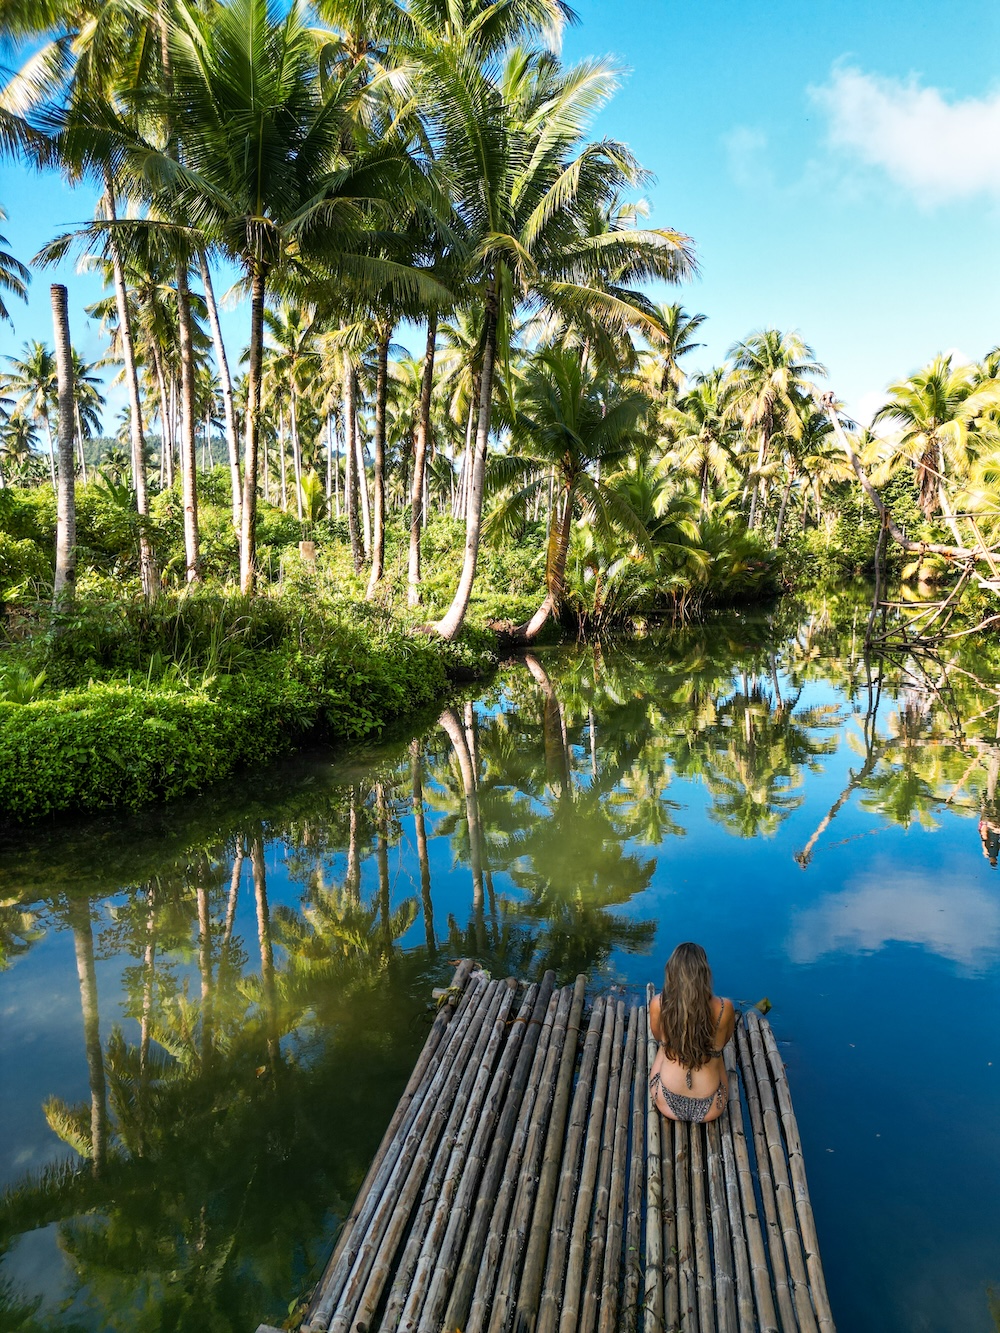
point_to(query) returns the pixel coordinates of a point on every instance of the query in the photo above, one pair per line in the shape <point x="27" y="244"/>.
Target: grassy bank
<point x="121" y="704"/>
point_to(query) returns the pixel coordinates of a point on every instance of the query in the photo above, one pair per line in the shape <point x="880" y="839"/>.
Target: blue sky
<point x="838" y="167"/>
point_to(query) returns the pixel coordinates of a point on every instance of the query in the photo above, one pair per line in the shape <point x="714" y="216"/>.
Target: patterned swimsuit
<point x="694" y="1109"/>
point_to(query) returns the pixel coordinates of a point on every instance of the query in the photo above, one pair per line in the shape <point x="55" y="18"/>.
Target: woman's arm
<point x="654" y="1017"/>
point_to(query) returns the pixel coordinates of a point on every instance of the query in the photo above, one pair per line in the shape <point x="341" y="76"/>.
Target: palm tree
<point x="32" y="379"/>
<point x="577" y="427"/>
<point x="65" y="577"/>
<point x="944" y="416"/>
<point x="523" y="186"/>
<point x="701" y="434"/>
<point x="671" y="335"/>
<point x="292" y="357"/>
<point x="14" y="277"/>
<point x="769" y="391"/>
<point x="269" y="174"/>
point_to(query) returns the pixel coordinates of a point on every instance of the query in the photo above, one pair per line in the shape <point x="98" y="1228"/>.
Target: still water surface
<point x="209" y="1011"/>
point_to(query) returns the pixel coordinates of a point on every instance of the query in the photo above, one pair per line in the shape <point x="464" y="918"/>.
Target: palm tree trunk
<point x="454" y="618"/>
<point x="293" y="426"/>
<point x="351" y="462"/>
<point x="378" y="481"/>
<point x="366" y="511"/>
<point x="83" y="943"/>
<point x="248" y="519"/>
<point x="268" y="984"/>
<point x="205" y="969"/>
<point x="166" y="442"/>
<point x="284" y="462"/>
<point x="382" y="865"/>
<point x="329" y="460"/>
<point x="65" y="579"/>
<point x="147" y="562"/>
<point x="79" y="444"/>
<point x="352" y="874"/>
<point x="781" y="512"/>
<point x="427" y="905"/>
<point x="226" y="383"/>
<point x="417" y="505"/>
<point x="449" y="721"/>
<point x="189" y="475"/>
<point x="560" y="531"/>
<point x="52" y="448"/>
<point x="758" y="484"/>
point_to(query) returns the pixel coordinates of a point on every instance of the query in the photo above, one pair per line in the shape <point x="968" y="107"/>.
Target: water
<point x="232" y="1044"/>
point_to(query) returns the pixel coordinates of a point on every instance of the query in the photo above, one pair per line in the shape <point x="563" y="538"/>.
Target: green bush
<point x="203" y="687"/>
<point x="24" y="571"/>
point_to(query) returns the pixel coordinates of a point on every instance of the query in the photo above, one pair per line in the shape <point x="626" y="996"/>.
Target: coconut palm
<point x="943" y="414"/>
<point x="523" y="185"/>
<point x="769" y="391"/>
<point x="14" y="276"/>
<point x="671" y="334"/>
<point x="292" y="357"/>
<point x="578" y="428"/>
<point x="32" y="381"/>
<point x="701" y="434"/>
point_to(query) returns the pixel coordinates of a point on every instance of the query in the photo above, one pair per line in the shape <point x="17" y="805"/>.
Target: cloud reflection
<point x="948" y="917"/>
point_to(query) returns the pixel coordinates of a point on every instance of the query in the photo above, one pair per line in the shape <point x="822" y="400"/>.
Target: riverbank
<point x="123" y="704"/>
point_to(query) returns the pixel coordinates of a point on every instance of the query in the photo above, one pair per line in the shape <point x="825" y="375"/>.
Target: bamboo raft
<point x="525" y="1186"/>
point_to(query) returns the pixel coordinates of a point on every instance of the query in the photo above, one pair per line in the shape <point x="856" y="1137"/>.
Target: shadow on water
<point x="210" y="1009"/>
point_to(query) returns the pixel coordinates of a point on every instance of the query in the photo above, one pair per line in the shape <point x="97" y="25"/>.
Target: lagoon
<point x="218" y="1002"/>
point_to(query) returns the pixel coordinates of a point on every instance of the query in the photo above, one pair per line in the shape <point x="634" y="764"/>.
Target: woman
<point x="688" y="1080"/>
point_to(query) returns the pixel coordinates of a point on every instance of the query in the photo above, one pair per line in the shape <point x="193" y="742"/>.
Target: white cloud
<point x="947" y="917"/>
<point x="937" y="149"/>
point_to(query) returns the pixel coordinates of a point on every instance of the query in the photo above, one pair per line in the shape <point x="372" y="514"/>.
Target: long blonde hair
<point x="687" y="1024"/>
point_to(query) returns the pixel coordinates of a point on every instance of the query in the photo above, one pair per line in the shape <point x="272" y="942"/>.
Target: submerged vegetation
<point x="380" y="173"/>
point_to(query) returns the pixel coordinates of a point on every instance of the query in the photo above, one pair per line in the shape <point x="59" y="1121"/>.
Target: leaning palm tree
<point x="945" y="418"/>
<point x="574" y="426"/>
<point x="524" y="186"/>
<point x="769" y="390"/>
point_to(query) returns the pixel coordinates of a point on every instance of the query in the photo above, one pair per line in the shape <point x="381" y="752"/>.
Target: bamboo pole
<point x="617" y="1189"/>
<point x="505" y="1091"/>
<point x="725" y="1301"/>
<point x="782" y="1183"/>
<point x="699" y="1213"/>
<point x="772" y="1229"/>
<point x="685" y="1253"/>
<point x="419" y="1142"/>
<point x="326" y="1293"/>
<point x="671" y="1293"/>
<point x="417" y="1203"/>
<point x="741" y="1259"/>
<point x="600" y="1230"/>
<point x="796" y="1161"/>
<point x="581" y="1241"/>
<point x="633" y="1227"/>
<point x="652" y="1303"/>
<point x="500" y="1265"/>
<point x="503" y="1148"/>
<point x="569" y="1181"/>
<point x="746" y="1203"/>
<point x="454" y="1168"/>
<point x="530" y="1291"/>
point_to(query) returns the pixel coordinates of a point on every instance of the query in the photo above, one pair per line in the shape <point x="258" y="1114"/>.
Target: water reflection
<point x="249" y="970"/>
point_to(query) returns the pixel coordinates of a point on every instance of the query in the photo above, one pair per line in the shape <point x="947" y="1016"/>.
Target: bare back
<point x="674" y="1075"/>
